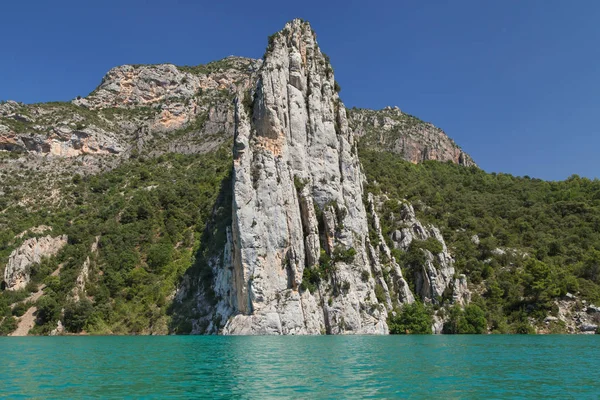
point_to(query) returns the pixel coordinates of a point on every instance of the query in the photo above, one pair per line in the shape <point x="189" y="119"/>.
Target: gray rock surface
<point x="437" y="273"/>
<point x="460" y="290"/>
<point x="390" y="129"/>
<point x="592" y="309"/>
<point x="586" y="327"/>
<point x="16" y="272"/>
<point x="399" y="285"/>
<point x="295" y="158"/>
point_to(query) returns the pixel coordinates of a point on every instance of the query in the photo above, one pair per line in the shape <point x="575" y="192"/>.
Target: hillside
<point x="242" y="197"/>
<point x="530" y="248"/>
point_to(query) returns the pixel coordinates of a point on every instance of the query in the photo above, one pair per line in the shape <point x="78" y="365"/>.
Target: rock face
<point x="298" y="258"/>
<point x="383" y="252"/>
<point x="132" y="106"/>
<point x="79" y="290"/>
<point x="297" y="194"/>
<point x="64" y="141"/>
<point x="16" y="273"/>
<point x="434" y="276"/>
<point x="300" y="255"/>
<point x="575" y="315"/>
<point x="390" y="129"/>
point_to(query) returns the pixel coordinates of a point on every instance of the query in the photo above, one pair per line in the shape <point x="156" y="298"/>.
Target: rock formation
<point x="299" y="255"/>
<point x="298" y="258"/>
<point x="436" y="274"/>
<point x="17" y="272"/>
<point x="390" y="129"/>
<point x="295" y="164"/>
<point x="131" y="106"/>
<point x="134" y="103"/>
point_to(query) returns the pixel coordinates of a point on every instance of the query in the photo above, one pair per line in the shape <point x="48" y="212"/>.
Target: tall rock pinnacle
<point x="298" y="201"/>
<point x="298" y="257"/>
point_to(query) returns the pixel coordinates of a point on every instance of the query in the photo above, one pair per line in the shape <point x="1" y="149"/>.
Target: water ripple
<point x="329" y="367"/>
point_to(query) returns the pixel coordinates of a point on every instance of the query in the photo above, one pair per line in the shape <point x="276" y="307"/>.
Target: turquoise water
<point x="332" y="367"/>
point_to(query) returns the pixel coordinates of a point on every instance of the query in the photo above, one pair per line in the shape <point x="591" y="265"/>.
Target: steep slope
<point x="529" y="248"/>
<point x="416" y="141"/>
<point x="162" y="107"/>
<point x="298" y="257"/>
<point x="294" y="157"/>
<point x="274" y="236"/>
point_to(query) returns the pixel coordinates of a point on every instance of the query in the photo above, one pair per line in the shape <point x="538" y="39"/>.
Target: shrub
<point x="310" y="279"/>
<point x="431" y="244"/>
<point x="48" y="310"/>
<point x="20" y="309"/>
<point x="299" y="183"/>
<point x="380" y="293"/>
<point x="346" y="256"/>
<point x="365" y="275"/>
<point x="77" y="314"/>
<point x="471" y="320"/>
<point x="336" y="87"/>
<point x="8" y="326"/>
<point x="413" y="318"/>
<point x="159" y="256"/>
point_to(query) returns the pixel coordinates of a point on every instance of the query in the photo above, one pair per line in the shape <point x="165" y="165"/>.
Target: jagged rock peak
<point x="297" y="204"/>
<point x="129" y="86"/>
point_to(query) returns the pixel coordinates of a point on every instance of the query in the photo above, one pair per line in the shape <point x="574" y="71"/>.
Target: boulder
<point x="587" y="327"/>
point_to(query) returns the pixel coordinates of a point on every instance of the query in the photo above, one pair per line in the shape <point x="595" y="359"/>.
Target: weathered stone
<point x="297" y="139"/>
<point x="400" y="285"/>
<point x="390" y="129"/>
<point x="59" y="330"/>
<point x="16" y="273"/>
<point x="587" y="327"/>
<point x="498" y="251"/>
<point x="436" y="275"/>
<point x="460" y="291"/>
<point x="592" y="309"/>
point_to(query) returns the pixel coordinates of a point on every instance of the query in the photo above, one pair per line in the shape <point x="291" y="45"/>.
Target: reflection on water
<point x="301" y="367"/>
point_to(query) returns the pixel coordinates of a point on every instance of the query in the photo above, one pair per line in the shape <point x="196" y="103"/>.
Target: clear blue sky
<point x="515" y="82"/>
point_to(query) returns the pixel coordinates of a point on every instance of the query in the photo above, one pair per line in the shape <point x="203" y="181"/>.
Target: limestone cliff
<point x="298" y="258"/>
<point x="295" y="244"/>
<point x="17" y="271"/>
<point x="133" y="107"/>
<point x="416" y="141"/>
<point x="295" y="164"/>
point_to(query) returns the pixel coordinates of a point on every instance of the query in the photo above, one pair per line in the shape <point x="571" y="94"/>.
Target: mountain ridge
<point x="242" y="197"/>
<point x="153" y="91"/>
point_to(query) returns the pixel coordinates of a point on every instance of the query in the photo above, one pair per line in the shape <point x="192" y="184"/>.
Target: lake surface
<point x="332" y="367"/>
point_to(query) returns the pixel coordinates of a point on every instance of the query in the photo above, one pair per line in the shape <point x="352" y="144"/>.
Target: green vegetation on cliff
<point x="146" y="218"/>
<point x="521" y="242"/>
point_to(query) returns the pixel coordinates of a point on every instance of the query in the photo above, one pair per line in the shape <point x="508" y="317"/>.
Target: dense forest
<point x="146" y="220"/>
<point x="521" y="242"/>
